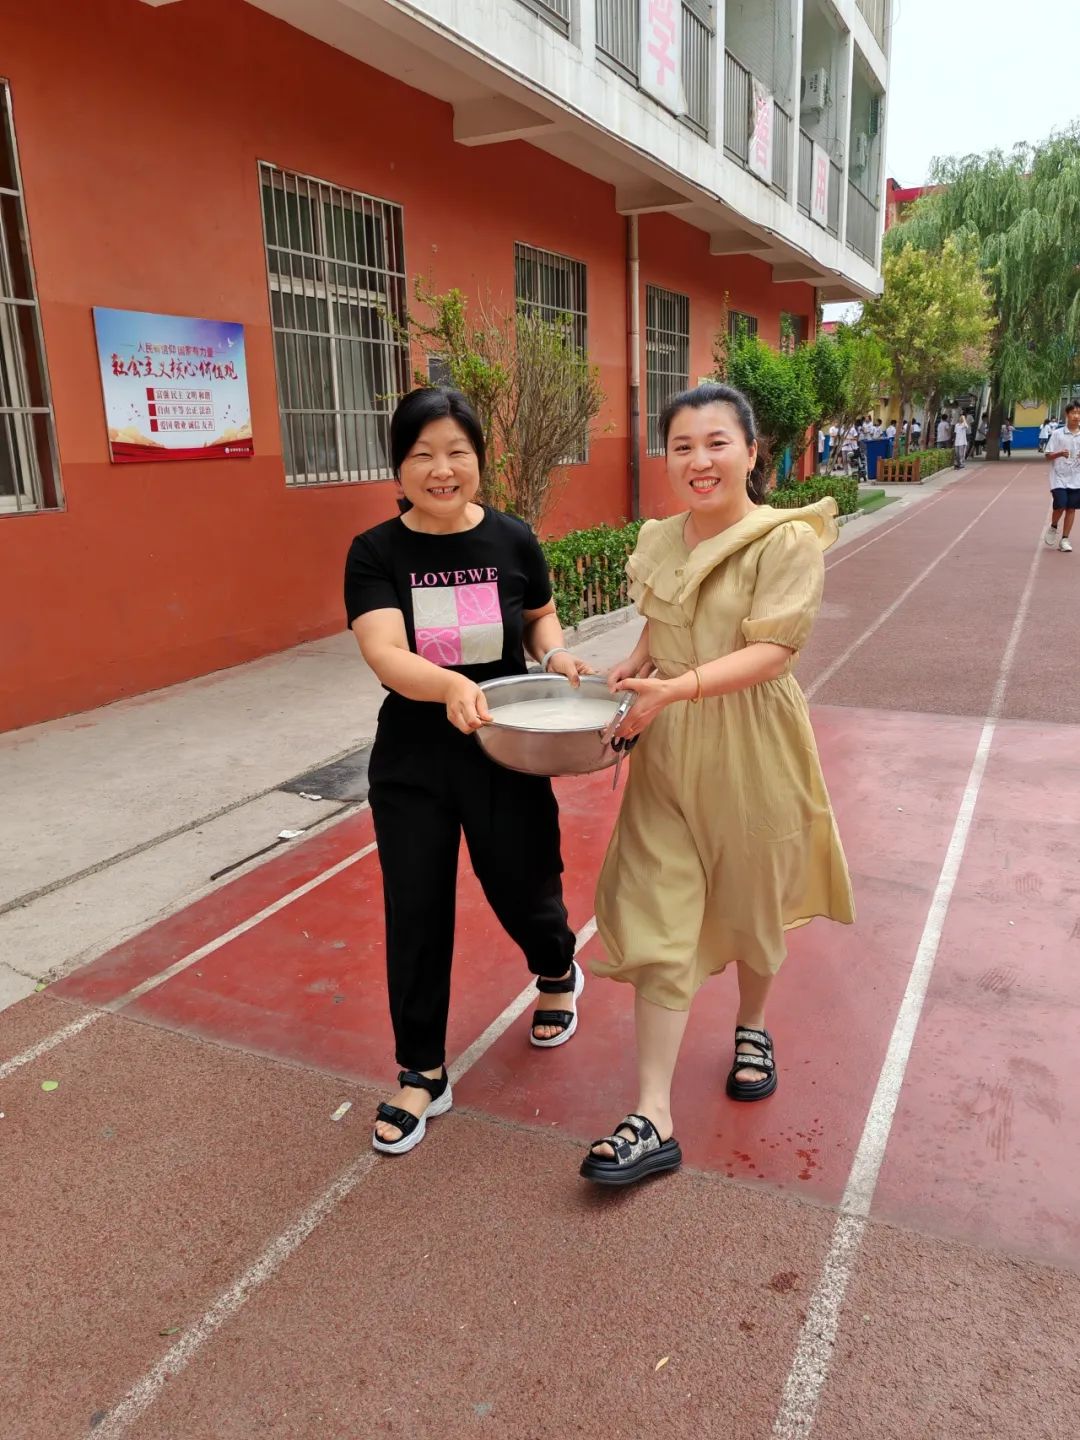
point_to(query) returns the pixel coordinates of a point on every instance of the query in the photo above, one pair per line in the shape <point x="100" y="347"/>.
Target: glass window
<point x="554" y="286"/>
<point x="667" y="356"/>
<point x="336" y="272"/>
<point x="792" y="330"/>
<point x="29" y="464"/>
<point x="740" y="323"/>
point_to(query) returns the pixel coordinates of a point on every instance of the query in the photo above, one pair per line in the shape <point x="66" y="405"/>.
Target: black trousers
<point x="425" y="790"/>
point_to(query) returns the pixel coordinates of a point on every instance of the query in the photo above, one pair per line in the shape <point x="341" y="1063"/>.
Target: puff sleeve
<point x="787" y="593"/>
<point x="642" y="563"/>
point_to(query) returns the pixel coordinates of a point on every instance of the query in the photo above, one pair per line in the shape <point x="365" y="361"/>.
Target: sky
<point x="966" y="78"/>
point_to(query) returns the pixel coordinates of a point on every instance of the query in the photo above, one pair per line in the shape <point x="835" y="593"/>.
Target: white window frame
<point x="331" y="290"/>
<point x="670" y="342"/>
<point x="735" y="316"/>
<point x="35" y="466"/>
<point x="798" y="333"/>
<point x="577" y="274"/>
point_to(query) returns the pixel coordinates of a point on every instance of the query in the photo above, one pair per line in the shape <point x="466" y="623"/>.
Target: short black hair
<point x="1072" y="405"/>
<point x="419" y="408"/>
<point x="713" y="393"/>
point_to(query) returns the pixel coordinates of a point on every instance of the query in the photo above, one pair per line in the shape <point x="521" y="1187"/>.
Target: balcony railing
<point x="863" y="225"/>
<point x="738" y="93"/>
<point x="698" y="37"/>
<point x="781" y="179"/>
<point x="618" y="35"/>
<point x="836" y="179"/>
<point x="874" y="14"/>
<point x="805" y="179"/>
<point x="618" y="41"/>
<point x="556" y="12"/>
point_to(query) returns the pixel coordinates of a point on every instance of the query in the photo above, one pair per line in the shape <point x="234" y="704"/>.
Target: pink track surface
<point x="477" y="1285"/>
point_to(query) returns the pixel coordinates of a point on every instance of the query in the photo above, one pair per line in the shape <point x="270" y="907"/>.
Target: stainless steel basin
<point x="546" y="752"/>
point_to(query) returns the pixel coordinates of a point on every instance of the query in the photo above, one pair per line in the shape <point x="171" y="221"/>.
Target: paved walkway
<point x="889" y="1248"/>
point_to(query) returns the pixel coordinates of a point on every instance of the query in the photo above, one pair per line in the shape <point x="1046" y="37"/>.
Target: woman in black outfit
<point x="446" y="595"/>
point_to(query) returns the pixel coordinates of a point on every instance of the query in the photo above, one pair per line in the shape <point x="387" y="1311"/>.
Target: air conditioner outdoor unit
<point x="814" y="90"/>
<point x="860" y="152"/>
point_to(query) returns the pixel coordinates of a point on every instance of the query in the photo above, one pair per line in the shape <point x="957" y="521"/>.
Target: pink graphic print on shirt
<point x="457" y="616"/>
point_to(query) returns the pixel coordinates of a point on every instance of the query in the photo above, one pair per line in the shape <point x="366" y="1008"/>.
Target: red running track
<point x="477" y="1283"/>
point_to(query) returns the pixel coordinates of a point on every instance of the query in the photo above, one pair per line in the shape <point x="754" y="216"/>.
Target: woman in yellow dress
<point x="726" y="838"/>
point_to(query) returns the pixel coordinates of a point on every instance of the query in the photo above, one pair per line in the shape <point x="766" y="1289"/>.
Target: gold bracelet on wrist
<point x="697" y="676"/>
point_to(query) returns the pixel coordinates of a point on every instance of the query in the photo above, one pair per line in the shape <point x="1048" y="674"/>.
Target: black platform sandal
<point x="633" y="1159"/>
<point x="752" y="1089"/>
<point x="567" y="1019"/>
<point x="412" y="1127"/>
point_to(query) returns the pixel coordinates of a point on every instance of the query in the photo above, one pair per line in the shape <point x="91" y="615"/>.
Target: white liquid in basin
<point x="585" y="713"/>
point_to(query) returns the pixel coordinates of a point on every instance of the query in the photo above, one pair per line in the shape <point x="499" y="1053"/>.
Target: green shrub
<point x="780" y="386"/>
<point x="931" y="461"/>
<point x="588" y="570"/>
<point x="843" y="488"/>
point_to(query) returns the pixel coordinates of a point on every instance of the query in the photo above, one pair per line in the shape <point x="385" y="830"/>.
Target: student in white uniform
<point x="1063" y="452"/>
<point x="960" y="443"/>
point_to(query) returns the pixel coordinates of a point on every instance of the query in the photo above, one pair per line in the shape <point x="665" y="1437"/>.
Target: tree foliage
<point x="794" y="391"/>
<point x="779" y="385"/>
<point x="866" y="377"/>
<point x="1019" y="211"/>
<point x="932" y="317"/>
<point x="536" y="395"/>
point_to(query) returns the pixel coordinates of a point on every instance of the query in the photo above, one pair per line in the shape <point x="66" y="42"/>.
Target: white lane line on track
<point x="841" y="660"/>
<point x="146" y="1390"/>
<point x="50" y="1042"/>
<point x="468" y="1058"/>
<point x="42" y="1047"/>
<point x="813" y="1354"/>
<point x="850" y="551"/>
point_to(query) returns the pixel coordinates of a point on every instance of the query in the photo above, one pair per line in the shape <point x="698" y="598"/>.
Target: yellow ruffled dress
<point x="726" y="837"/>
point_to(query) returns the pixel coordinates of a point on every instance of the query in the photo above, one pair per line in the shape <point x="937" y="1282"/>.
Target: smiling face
<point x="708" y="458"/>
<point x="441" y="473"/>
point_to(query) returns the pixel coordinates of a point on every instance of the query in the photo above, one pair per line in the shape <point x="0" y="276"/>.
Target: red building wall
<point x="676" y="256"/>
<point x="139" y="132"/>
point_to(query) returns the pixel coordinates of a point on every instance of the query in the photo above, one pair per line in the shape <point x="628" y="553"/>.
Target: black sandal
<point x="632" y="1159"/>
<point x="567" y="1020"/>
<point x="412" y="1127"/>
<point x="752" y="1089"/>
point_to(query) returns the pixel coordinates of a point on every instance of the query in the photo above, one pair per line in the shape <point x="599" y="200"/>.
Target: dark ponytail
<point x="713" y="393"/>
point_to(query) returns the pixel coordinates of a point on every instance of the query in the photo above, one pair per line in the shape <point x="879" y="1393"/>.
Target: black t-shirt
<point x="463" y="596"/>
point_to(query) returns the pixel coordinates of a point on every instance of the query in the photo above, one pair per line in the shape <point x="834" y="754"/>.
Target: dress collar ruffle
<point x="652" y="565"/>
